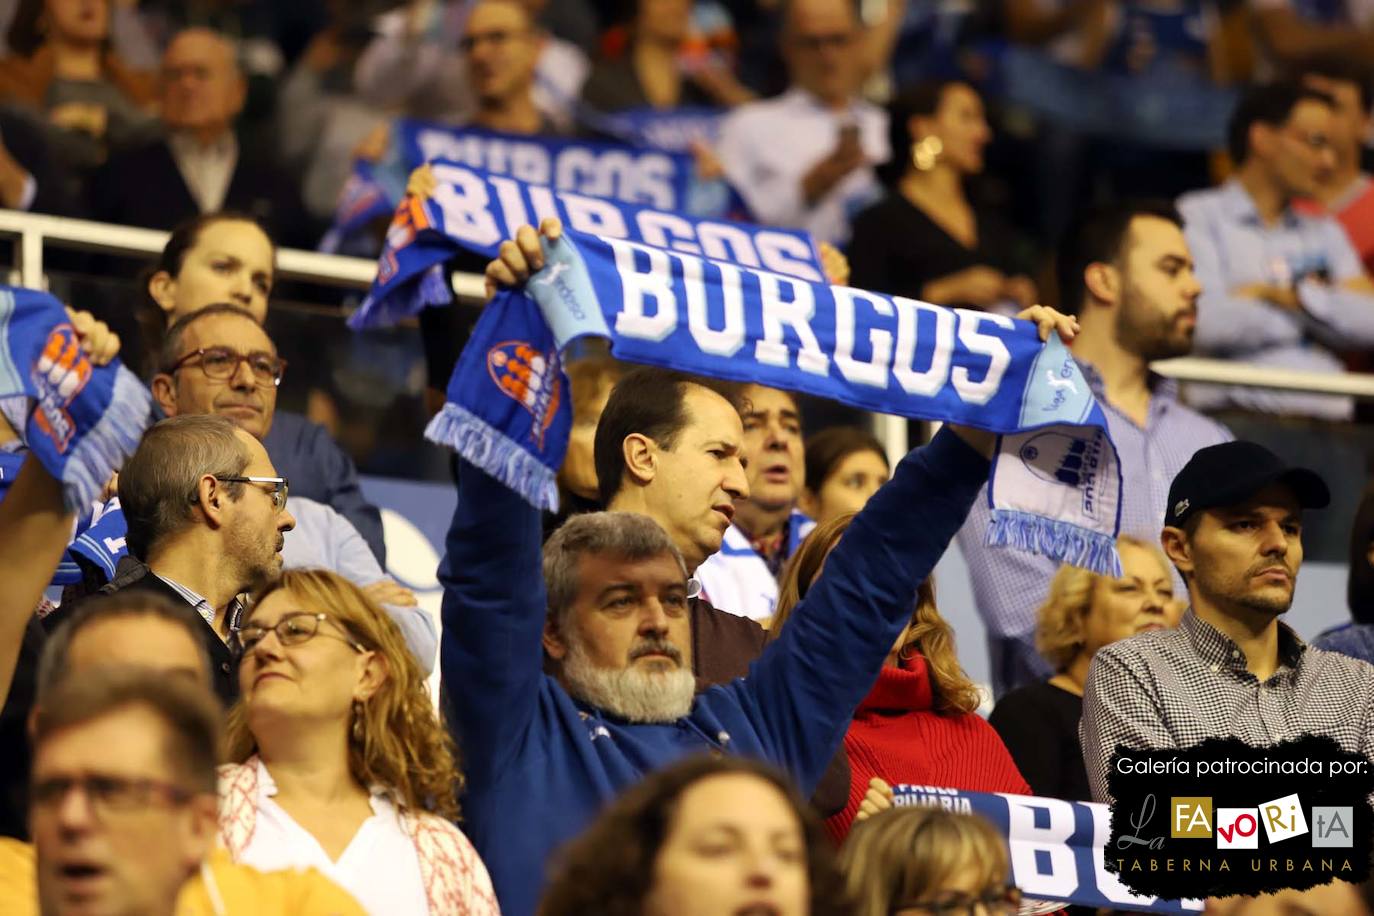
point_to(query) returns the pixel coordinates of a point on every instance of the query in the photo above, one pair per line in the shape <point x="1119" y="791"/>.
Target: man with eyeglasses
<point x="124" y="810"/>
<point x="1282" y="288"/>
<point x="805" y="159"/>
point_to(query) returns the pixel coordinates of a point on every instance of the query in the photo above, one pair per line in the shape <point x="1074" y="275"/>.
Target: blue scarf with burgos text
<point x="638" y="176"/>
<point x="82" y="420"/>
<point x="1056" y="848"/>
<point x="1056" y="481"/>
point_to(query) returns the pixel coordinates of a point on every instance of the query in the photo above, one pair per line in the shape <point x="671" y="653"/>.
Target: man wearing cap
<point x="1233" y="528"/>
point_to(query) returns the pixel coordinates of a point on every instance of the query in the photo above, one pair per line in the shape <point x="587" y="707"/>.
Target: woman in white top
<point x="340" y="762"/>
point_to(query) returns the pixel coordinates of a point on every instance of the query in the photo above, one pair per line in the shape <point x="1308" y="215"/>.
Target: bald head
<point x="203" y="89"/>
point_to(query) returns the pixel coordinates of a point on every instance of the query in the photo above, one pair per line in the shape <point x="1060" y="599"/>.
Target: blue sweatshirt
<point x="540" y="765"/>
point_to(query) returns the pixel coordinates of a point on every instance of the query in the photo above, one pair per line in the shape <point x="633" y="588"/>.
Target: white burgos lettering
<point x="1026" y="841"/>
<point x="795" y="312"/>
<point x="989" y="345"/>
<point x="639" y="287"/>
<point x="874" y="370"/>
<point x="929" y="381"/>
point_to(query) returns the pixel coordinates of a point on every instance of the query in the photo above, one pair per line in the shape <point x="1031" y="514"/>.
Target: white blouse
<point x="380" y="867"/>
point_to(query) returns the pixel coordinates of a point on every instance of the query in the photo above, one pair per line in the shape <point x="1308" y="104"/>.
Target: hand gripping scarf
<point x="1056" y="481"/>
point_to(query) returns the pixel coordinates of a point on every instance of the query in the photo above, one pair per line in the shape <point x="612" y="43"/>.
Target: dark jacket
<point x="318" y="469"/>
<point x="536" y="757"/>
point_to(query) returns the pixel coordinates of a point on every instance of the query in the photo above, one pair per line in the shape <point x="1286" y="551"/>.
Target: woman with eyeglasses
<point x="339" y="762"/>
<point x="927" y="862"/>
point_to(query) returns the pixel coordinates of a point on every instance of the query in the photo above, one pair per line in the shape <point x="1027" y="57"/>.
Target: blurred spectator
<point x="927" y="860"/>
<point x="805" y="159"/>
<point x="919" y="723"/>
<point x="30" y="176"/>
<point x="207" y="552"/>
<point x="1283" y="289"/>
<point x="1356" y="638"/>
<point x="338" y="760"/>
<point x="844" y="466"/>
<point x="130" y="38"/>
<point x="1289" y="31"/>
<point x="61" y="66"/>
<point x="1126" y="272"/>
<point x="199" y="167"/>
<point x="227" y="258"/>
<point x="655" y="71"/>
<point x="768" y="527"/>
<point x="1347" y="192"/>
<point x="1083" y="613"/>
<point x="644" y="853"/>
<point x="432" y="61"/>
<point x="925" y="239"/>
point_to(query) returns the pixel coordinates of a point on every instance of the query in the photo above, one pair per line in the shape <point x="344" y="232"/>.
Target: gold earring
<point x="358" y="721"/>
<point x="925" y="152"/>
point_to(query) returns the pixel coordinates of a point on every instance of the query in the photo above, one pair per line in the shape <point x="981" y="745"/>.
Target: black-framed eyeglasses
<point x="108" y="795"/>
<point x="294" y="629"/>
<point x="498" y="37"/>
<point x="220" y="363"/>
<point x="280" y="486"/>
<point x="1003" y="901"/>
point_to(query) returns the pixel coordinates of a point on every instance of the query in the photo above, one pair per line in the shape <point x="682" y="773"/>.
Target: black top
<point x="897" y="249"/>
<point x="1039" y="725"/>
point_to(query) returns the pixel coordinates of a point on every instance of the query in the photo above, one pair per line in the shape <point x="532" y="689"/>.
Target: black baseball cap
<point x="1232" y="472"/>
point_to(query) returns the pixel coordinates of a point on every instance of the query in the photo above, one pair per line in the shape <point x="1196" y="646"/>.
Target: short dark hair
<point x="1338" y="69"/>
<point x="171" y="343"/>
<point x="160" y="482"/>
<point x="651" y="402"/>
<point x="1271" y="104"/>
<point x="189" y="713"/>
<point x="54" y="664"/>
<point x="826" y="450"/>
<point x="609" y="869"/>
<point x="1099" y="235"/>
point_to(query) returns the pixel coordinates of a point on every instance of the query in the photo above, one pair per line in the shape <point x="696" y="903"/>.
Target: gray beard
<point x="629" y="693"/>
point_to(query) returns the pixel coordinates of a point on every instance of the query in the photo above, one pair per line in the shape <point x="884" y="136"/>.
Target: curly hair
<point x="930" y="634"/>
<point x="609" y="869"/>
<point x="1059" y="630"/>
<point x="906" y="854"/>
<point x="405" y="746"/>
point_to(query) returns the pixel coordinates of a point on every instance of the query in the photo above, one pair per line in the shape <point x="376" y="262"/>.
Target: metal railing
<point x="34" y="231"/>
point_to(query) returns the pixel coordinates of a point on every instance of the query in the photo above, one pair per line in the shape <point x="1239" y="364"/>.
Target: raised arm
<point x="1118" y="708"/>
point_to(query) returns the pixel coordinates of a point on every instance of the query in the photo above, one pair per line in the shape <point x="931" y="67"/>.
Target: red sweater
<point x="898" y="737"/>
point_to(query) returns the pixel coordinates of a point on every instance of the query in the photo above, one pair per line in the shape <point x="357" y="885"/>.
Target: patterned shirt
<point x="1175" y="688"/>
<point x="1008" y="585"/>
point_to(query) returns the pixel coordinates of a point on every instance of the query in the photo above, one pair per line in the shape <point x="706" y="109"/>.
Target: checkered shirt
<point x="1175" y="688"/>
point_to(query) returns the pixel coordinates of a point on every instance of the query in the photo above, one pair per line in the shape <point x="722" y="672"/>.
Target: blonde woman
<point x="1083" y="613"/>
<point x="918" y="724"/>
<point x="339" y="762"/>
<point x="922" y="861"/>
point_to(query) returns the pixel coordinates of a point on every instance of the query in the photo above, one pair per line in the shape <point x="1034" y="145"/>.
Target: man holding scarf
<point x="550" y="750"/>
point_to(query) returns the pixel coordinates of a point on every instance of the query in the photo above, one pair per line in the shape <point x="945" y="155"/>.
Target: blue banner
<point x="1056" y="847"/>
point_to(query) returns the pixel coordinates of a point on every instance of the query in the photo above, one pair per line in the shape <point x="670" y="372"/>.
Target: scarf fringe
<point x="1061" y="541"/>
<point x="429" y="288"/>
<point x="103" y="448"/>
<point x="486" y="447"/>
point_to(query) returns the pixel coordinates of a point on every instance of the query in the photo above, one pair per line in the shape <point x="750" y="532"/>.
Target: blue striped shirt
<point x="1009" y="586"/>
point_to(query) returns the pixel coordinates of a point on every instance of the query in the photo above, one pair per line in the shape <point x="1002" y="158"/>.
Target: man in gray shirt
<point x="1233" y="528"/>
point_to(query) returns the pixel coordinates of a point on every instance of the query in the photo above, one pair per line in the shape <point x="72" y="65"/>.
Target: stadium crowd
<point x="699" y="687"/>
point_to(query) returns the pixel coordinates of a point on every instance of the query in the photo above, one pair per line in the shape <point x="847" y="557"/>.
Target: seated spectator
<point x="768" y="527"/>
<point x="615" y="624"/>
<point x="30" y="177"/>
<point x="412" y="65"/>
<point x="919" y="723"/>
<point x="229" y="258"/>
<point x="805" y="159"/>
<point x="1234" y="530"/>
<point x="225" y="541"/>
<point x="1347" y="192"/>
<point x="845" y="465"/>
<point x="141" y="750"/>
<point x="1283" y="289"/>
<point x="925" y="239"/>
<point x="61" y="67"/>
<point x="651" y="71"/>
<point x="199" y="167"/>
<point x="644" y="853"/>
<point x="1356" y="638"/>
<point x="1125" y="270"/>
<point x="927" y="860"/>
<point x="1083" y="613"/>
<point x="338" y="760"/>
